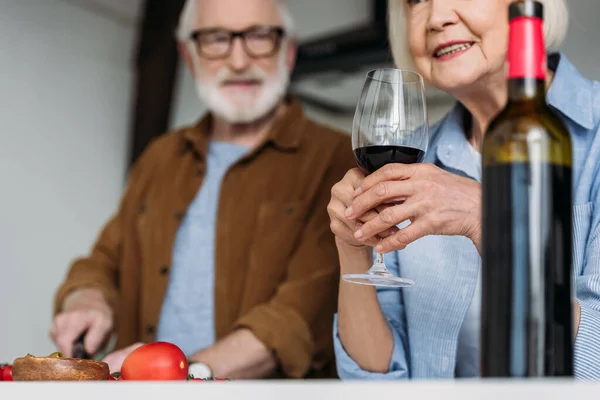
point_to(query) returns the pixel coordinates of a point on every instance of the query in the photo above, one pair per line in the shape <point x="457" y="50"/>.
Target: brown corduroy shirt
<point x="276" y="265"/>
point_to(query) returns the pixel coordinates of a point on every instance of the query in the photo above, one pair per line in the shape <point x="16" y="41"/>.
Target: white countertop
<point x="305" y="390"/>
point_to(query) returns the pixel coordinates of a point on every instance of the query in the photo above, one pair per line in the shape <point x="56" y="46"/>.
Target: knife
<point x="78" y="348"/>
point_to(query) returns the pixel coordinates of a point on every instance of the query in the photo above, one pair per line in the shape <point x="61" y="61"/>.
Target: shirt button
<point x="150" y="329"/>
<point x="164" y="270"/>
<point x="142" y="208"/>
<point x="179" y="215"/>
<point x="201" y="171"/>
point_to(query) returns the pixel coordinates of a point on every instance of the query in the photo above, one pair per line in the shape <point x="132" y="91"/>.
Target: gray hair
<point x="189" y="9"/>
<point x="556" y="24"/>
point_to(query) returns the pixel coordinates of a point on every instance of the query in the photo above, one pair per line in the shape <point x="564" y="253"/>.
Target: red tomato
<point x="158" y="361"/>
<point x="7" y="373"/>
<point x="1" y="373"/>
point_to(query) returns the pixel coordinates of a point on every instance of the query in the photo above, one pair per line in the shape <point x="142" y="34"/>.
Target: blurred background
<point x="85" y="83"/>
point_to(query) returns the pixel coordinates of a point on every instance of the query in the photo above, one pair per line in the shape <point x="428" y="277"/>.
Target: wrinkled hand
<point x="435" y="201"/>
<point x="116" y="358"/>
<point x="84" y="310"/>
<point x="342" y="195"/>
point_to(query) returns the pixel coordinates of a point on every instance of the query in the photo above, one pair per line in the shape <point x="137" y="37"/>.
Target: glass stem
<point x="378" y="267"/>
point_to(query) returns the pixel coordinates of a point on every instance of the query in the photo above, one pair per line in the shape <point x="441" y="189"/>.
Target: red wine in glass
<point x="371" y="158"/>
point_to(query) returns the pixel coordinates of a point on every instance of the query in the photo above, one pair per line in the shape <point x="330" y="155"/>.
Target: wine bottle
<point x="526" y="327"/>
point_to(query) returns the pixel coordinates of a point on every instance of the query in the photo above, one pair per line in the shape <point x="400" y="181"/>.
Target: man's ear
<point x="187" y="58"/>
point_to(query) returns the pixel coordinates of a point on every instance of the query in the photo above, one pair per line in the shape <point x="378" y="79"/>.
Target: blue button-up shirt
<point x="426" y="319"/>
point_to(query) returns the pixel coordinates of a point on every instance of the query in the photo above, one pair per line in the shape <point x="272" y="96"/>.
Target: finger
<point x="58" y="328"/>
<point x="382" y="193"/>
<point x="387" y="219"/>
<point x="342" y="231"/>
<point x="369" y="215"/>
<point x="344" y="189"/>
<point x="76" y="324"/>
<point x="389" y="172"/>
<point x="97" y="333"/>
<point x="61" y="323"/>
<point x="355" y="177"/>
<point x="382" y="207"/>
<point x="336" y="211"/>
<point x="343" y="228"/>
<point x="388" y="232"/>
<point x="366" y="217"/>
<point x="402" y="238"/>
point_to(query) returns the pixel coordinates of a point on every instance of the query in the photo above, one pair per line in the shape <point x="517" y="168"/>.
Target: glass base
<point x="375" y="280"/>
<point x="378" y="276"/>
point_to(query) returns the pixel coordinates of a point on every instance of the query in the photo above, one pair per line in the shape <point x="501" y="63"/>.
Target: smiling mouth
<point x="452" y="49"/>
<point x="241" y="83"/>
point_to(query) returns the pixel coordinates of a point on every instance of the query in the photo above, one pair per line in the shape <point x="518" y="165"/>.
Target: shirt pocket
<point x="582" y="219"/>
<point x="277" y="234"/>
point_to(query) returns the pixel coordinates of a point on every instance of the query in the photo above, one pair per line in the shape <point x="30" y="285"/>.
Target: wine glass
<point x="390" y="126"/>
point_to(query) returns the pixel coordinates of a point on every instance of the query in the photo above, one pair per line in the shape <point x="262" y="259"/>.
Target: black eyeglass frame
<point x="279" y="32"/>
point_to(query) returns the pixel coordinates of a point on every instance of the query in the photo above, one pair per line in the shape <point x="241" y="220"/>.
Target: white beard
<point x="247" y="107"/>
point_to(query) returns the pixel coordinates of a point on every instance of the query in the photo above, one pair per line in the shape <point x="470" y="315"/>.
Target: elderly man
<point x="221" y="244"/>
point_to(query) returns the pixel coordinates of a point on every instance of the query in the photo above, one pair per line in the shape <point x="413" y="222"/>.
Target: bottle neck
<point x="526" y="59"/>
<point x="528" y="90"/>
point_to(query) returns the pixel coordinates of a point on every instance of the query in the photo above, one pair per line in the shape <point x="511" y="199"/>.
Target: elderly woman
<point x="432" y="329"/>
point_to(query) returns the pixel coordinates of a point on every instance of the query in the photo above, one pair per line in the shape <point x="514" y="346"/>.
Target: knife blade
<point x="79" y="349"/>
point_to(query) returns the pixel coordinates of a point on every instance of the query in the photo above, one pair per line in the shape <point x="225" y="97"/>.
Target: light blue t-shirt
<point x="187" y="315"/>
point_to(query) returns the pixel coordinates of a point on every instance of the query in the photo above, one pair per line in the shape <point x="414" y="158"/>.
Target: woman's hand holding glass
<point x="436" y="202"/>
<point x="342" y="196"/>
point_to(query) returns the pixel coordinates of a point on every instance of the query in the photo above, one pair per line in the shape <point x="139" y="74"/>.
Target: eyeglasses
<point x="258" y="41"/>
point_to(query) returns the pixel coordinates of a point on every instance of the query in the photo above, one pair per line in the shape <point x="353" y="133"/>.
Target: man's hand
<point x="83" y="310"/>
<point x="240" y="355"/>
<point x="116" y="358"/>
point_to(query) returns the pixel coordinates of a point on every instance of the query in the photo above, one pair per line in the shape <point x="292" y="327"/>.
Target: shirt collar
<point x="452" y="148"/>
<point x="285" y="133"/>
<point x="570" y="92"/>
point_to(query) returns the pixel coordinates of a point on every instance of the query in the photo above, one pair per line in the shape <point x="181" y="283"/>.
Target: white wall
<point x="582" y="44"/>
<point x="65" y="95"/>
